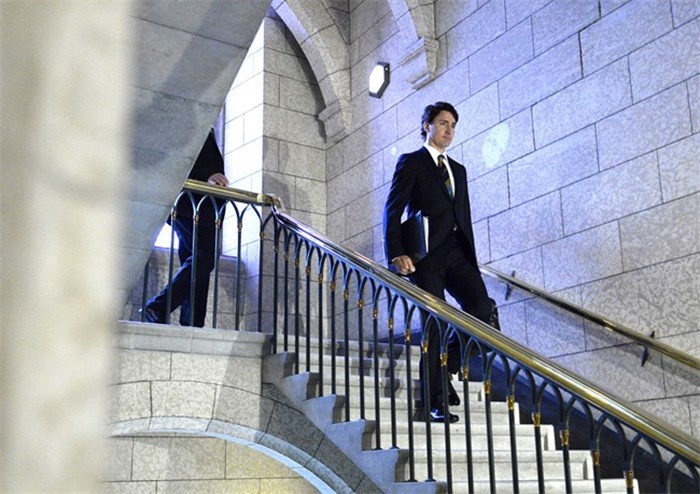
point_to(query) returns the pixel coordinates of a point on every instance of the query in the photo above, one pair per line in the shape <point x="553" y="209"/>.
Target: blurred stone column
<point x="64" y="106"/>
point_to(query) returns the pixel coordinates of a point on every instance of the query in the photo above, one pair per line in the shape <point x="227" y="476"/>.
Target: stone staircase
<point x="392" y="472"/>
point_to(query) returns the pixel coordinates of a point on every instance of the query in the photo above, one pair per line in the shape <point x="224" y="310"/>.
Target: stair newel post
<point x="409" y="391"/>
<point x="261" y="269"/>
<point x="346" y="340"/>
<point x="307" y="273"/>
<point x="321" y="261"/>
<point x="375" y="350"/>
<point x="297" y="315"/>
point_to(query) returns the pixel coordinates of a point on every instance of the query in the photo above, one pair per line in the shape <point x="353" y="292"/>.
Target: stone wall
<point x="181" y="463"/>
<point x="579" y="130"/>
<point x="193" y="410"/>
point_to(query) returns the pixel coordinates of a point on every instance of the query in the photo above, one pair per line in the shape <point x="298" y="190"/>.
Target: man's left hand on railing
<point x="218" y="179"/>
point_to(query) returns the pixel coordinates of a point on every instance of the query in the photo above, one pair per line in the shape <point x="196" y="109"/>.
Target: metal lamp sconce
<point x="378" y="79"/>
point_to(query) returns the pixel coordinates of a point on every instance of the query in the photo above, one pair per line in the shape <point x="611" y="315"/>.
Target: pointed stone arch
<point x="327" y="52"/>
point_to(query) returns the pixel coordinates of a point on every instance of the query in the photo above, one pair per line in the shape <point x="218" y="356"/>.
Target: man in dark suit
<point x="208" y="167"/>
<point x="429" y="182"/>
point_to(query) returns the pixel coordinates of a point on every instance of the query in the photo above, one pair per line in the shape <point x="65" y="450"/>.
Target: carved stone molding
<point x="336" y="119"/>
<point x="420" y="62"/>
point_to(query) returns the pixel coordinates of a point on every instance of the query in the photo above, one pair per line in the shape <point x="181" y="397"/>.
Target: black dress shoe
<point x="438" y="415"/>
<point x="453" y="397"/>
<point x="152" y="316"/>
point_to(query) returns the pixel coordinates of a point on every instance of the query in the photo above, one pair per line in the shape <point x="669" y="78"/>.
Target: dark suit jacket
<point x="417" y="186"/>
<point x="208" y="162"/>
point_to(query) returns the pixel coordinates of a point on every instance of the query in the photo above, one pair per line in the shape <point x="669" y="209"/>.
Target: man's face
<point x="441" y="130"/>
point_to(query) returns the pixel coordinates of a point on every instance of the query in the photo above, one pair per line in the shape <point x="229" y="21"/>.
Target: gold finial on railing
<point x="296" y="263"/>
<point x="407" y="335"/>
<point x="465" y="373"/>
<point x="320" y="278"/>
<point x="360" y="303"/>
<point x="307" y="270"/>
<point x="262" y="235"/>
<point x="443" y="359"/>
<point x="218" y="223"/>
<point x="424" y="346"/>
<point x="511" y="402"/>
<point x="564" y="434"/>
<point x="487" y="387"/>
<point x="537" y="419"/>
<point x="332" y="286"/>
<point x="240" y="226"/>
<point x="629" y="478"/>
<point x="346" y="295"/>
<point x="375" y="314"/>
<point x="390" y="323"/>
<point x="595" y="454"/>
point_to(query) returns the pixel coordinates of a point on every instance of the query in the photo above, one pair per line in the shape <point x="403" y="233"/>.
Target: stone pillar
<point x="64" y="106"/>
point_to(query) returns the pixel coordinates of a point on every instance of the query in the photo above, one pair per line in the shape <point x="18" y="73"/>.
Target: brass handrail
<point x="670" y="437"/>
<point x="667" y="435"/>
<point x="232" y="193"/>
<point x="659" y="346"/>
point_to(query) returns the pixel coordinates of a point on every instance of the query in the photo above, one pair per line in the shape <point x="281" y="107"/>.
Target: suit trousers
<point x="447" y="268"/>
<point x="180" y="285"/>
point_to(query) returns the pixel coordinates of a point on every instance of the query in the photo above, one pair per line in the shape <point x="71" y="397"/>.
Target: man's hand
<point x="218" y="179"/>
<point x="403" y="265"/>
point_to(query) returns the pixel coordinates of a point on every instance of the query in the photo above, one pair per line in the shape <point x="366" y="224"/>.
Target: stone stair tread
<point x="482" y="455"/>
<point x="497" y="407"/>
<point x="554" y="486"/>
<point x="476" y="429"/>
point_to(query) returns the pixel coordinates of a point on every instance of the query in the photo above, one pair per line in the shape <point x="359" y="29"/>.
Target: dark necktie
<point x="445" y="175"/>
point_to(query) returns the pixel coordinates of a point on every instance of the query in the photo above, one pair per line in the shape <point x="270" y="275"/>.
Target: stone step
<point x="553" y="464"/>
<point x="583" y="486"/>
<point x="399" y="350"/>
<point x="525" y="437"/>
<point x="399" y="392"/>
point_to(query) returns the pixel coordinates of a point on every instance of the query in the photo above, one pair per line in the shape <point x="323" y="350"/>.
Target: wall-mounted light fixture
<point x="378" y="79"/>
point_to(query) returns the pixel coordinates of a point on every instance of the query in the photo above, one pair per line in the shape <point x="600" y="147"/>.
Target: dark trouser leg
<point x="203" y="263"/>
<point x="180" y="285"/>
<point x="430" y="277"/>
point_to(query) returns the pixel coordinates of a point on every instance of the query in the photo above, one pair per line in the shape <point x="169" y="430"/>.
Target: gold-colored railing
<point x="290" y="238"/>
